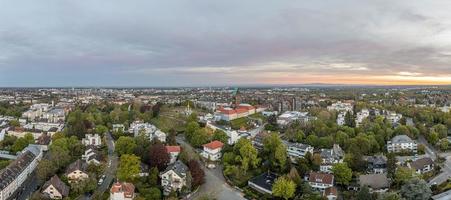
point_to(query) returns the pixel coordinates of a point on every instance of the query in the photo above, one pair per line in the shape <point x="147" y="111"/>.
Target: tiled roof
<point x="127" y="188"/>
<point x="56" y="182"/>
<point x="171" y="149"/>
<point x="421" y="163"/>
<point x="321" y="178"/>
<point x="214" y="145"/>
<point x="10" y="173"/>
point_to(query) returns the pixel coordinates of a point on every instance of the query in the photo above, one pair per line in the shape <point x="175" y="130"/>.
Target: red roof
<point x="127" y="188"/>
<point x="321" y="178"/>
<point x="214" y="145"/>
<point x="241" y="110"/>
<point x="171" y="149"/>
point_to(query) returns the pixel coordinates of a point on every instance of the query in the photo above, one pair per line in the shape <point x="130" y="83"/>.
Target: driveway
<point x="215" y="184"/>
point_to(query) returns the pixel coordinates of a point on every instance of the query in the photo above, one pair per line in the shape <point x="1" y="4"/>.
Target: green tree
<point x="416" y="189"/>
<point x="391" y="165"/>
<point x="444" y="144"/>
<point x="199" y="138"/>
<point x="281" y="156"/>
<point x="129" y="167"/>
<point x="101" y="129"/>
<point x="125" y="145"/>
<point x="342" y="173"/>
<point x="153" y="176"/>
<point x="404" y="174"/>
<point x="14" y="123"/>
<point x="284" y="188"/>
<point x="22" y="142"/>
<point x="391" y="196"/>
<point x="248" y="155"/>
<point x="220" y="136"/>
<point x="364" y="193"/>
<point x="45" y="169"/>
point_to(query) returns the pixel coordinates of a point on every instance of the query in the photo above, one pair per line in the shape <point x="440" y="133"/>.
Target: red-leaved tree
<point x="197" y="173"/>
<point x="158" y="157"/>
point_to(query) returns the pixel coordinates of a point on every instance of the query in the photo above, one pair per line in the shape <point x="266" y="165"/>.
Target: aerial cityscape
<point x="225" y="100"/>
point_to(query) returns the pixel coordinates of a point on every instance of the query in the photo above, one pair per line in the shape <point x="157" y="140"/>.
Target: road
<point x="433" y="153"/>
<point x="111" y="168"/>
<point x="215" y="184"/>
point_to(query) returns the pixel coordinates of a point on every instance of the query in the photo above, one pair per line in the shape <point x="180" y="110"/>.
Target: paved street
<point x="215" y="184"/>
<point x="111" y="168"/>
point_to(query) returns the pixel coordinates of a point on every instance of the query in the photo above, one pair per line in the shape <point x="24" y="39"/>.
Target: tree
<point x="14" y="123"/>
<point x="294" y="176"/>
<point x="416" y="189"/>
<point x="444" y="144"/>
<point x="101" y="129"/>
<point x="172" y="137"/>
<point x="404" y="174"/>
<point x="129" y="167"/>
<point x="281" y="156"/>
<point x="220" y="136"/>
<point x="284" y="188"/>
<point x="391" y="165"/>
<point x="45" y="169"/>
<point x="248" y="155"/>
<point x="125" y="145"/>
<point x="197" y="174"/>
<point x="22" y="142"/>
<point x="364" y="193"/>
<point x="152" y="193"/>
<point x="342" y="173"/>
<point x="191" y="127"/>
<point x="153" y="176"/>
<point x="391" y="196"/>
<point x="156" y="109"/>
<point x="349" y="119"/>
<point x="199" y="138"/>
<point x="159" y="157"/>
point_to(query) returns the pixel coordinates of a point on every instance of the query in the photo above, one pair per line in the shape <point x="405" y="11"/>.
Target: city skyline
<point x="203" y="43"/>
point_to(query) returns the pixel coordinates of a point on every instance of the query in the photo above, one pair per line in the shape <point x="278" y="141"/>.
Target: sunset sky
<point x="221" y="43"/>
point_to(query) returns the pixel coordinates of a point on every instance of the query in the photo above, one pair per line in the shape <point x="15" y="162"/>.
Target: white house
<point x="92" y="156"/>
<point x="329" y="157"/>
<point x="92" y="140"/>
<point x="122" y="191"/>
<point x="174" y="177"/>
<point x="341" y="119"/>
<point x="320" y="181"/>
<point x="55" y="188"/>
<point x="118" y="127"/>
<point x="297" y="150"/>
<point x="212" y="150"/>
<point x="77" y="171"/>
<point x="173" y="152"/>
<point x="363" y="114"/>
<point x="401" y="143"/>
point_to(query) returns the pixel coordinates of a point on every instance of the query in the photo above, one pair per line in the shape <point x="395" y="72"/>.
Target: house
<point x="212" y="150"/>
<point x="118" y="128"/>
<point x="297" y="150"/>
<point x="341" y="107"/>
<point x="393" y="117"/>
<point x="376" y="182"/>
<point x="174" y="177"/>
<point x="422" y="165"/>
<point x="320" y="181"/>
<point x="122" y="191"/>
<point x="263" y="182"/>
<point x="173" y="152"/>
<point x="159" y="135"/>
<point x="92" y="156"/>
<point x="442" y="196"/>
<point x="15" y="174"/>
<point x="377" y="164"/>
<point x="341" y="120"/>
<point x="363" y="114"/>
<point x="55" y="188"/>
<point x="330" y="193"/>
<point x="92" y="140"/>
<point x="44" y="141"/>
<point x="401" y="143"/>
<point x="77" y="171"/>
<point x="329" y="157"/>
<point x="149" y="130"/>
<point x="257" y="141"/>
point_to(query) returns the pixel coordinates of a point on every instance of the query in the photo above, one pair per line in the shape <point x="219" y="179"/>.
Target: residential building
<point x="297" y="150"/>
<point x="92" y="140"/>
<point x="393" y="117"/>
<point x="15" y="174"/>
<point x="291" y="116"/>
<point x="77" y="171"/>
<point x="401" y="143"/>
<point x="375" y="182"/>
<point x="92" y="156"/>
<point x="422" y="165"/>
<point x="363" y="114"/>
<point x="122" y="191"/>
<point x="173" y="152"/>
<point x="118" y="128"/>
<point x="147" y="129"/>
<point x="377" y="164"/>
<point x="212" y="150"/>
<point x="231" y="113"/>
<point x="320" y="181"/>
<point x="174" y="177"/>
<point x="331" y="193"/>
<point x="263" y="182"/>
<point x="55" y="188"/>
<point x="341" y="120"/>
<point x="340" y="107"/>
<point x="329" y="157"/>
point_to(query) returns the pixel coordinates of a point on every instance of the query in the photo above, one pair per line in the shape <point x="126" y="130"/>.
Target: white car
<point x="100" y="181"/>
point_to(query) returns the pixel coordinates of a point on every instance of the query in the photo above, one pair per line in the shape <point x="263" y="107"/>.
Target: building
<point x="422" y="165"/>
<point x="263" y="182"/>
<point x="44" y="141"/>
<point x="77" y="171"/>
<point x="331" y="193"/>
<point x="55" y="188"/>
<point x="291" y="116"/>
<point x="92" y="140"/>
<point x="92" y="156"/>
<point x="393" y="117"/>
<point x="341" y="120"/>
<point x="173" y="152"/>
<point x="147" y="129"/>
<point x="174" y="177"/>
<point x="231" y="113"/>
<point x="329" y="157"/>
<point x="401" y="143"/>
<point x="257" y="141"/>
<point x="320" y="181"/>
<point x="375" y="182"/>
<point x="122" y="191"/>
<point x="377" y="164"/>
<point x="363" y="114"/>
<point x="15" y="174"/>
<point x="212" y="150"/>
<point x="118" y="128"/>
<point x="297" y="150"/>
<point x="340" y="107"/>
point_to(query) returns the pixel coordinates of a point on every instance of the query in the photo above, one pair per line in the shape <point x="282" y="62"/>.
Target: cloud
<point x="153" y="43"/>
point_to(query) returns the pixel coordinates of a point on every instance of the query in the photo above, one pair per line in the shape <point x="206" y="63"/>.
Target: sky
<point x="224" y="43"/>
